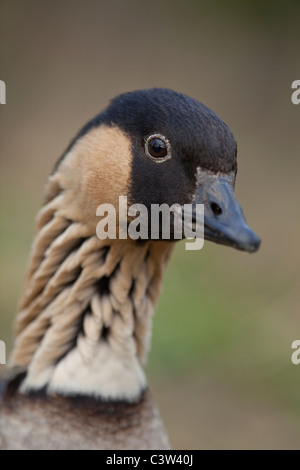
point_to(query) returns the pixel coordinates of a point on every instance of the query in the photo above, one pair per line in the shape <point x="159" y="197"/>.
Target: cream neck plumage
<point x="84" y="323"/>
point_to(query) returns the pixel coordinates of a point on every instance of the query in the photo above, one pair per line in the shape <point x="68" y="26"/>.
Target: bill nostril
<point x="216" y="208"/>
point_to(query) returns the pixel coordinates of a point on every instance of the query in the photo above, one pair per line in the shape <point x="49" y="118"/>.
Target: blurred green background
<point x="220" y="365"/>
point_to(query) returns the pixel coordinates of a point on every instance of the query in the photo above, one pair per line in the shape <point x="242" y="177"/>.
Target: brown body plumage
<point x="62" y="423"/>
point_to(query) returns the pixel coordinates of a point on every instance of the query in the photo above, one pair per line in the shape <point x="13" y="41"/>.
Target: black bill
<point x="224" y="221"/>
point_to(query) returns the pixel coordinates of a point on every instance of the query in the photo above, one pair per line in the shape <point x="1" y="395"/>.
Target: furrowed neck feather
<point x="85" y="317"/>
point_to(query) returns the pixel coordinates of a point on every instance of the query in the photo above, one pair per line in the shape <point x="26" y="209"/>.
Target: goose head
<point x="161" y="147"/>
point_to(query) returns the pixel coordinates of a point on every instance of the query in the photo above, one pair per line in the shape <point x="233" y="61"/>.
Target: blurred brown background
<point x="220" y="366"/>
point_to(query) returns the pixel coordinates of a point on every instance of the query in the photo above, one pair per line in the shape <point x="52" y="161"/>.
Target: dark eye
<point x="157" y="148"/>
